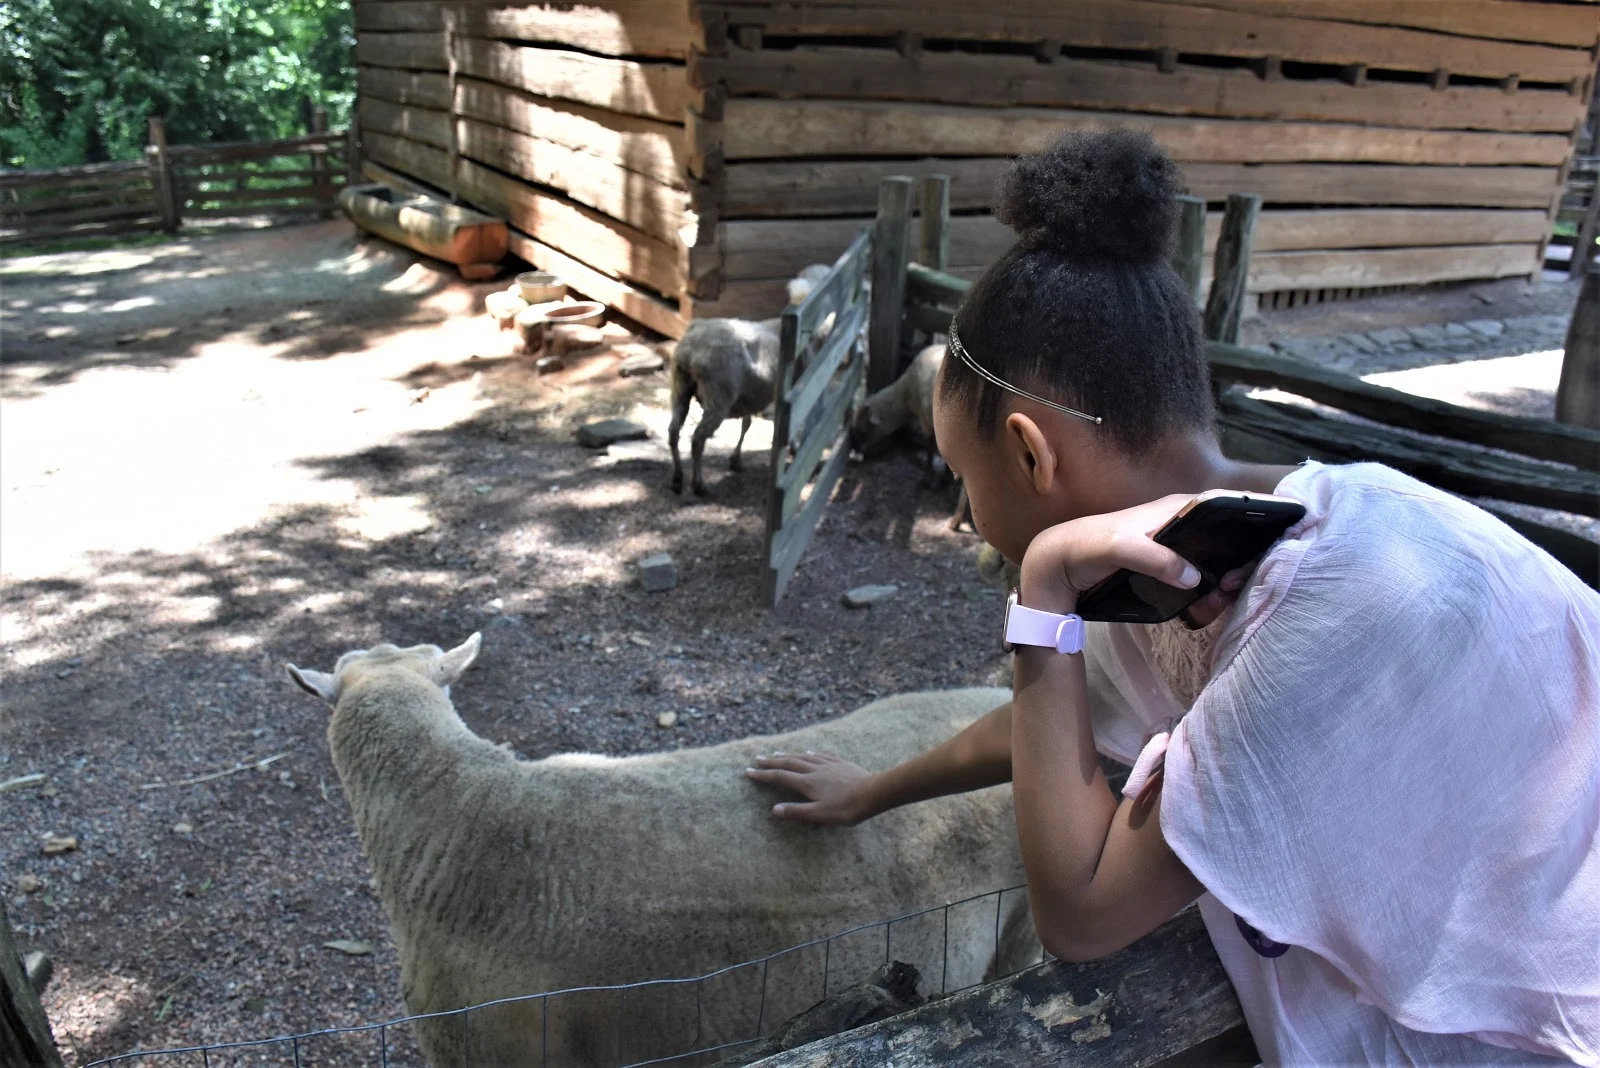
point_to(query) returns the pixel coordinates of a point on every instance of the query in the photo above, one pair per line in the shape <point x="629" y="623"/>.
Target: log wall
<point x="698" y="152"/>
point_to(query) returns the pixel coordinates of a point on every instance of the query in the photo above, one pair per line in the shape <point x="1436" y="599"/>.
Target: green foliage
<point x="78" y="78"/>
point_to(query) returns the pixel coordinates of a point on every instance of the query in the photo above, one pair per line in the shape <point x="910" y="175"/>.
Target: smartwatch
<point x="1029" y="626"/>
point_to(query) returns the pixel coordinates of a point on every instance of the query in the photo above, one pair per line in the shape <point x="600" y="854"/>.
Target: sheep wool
<point x="503" y="877"/>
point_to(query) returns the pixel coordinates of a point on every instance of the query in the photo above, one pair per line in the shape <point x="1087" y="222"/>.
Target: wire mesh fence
<point x="682" y="1022"/>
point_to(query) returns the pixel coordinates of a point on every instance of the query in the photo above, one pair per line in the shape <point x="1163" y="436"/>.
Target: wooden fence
<point x="1534" y="461"/>
<point x="175" y="183"/>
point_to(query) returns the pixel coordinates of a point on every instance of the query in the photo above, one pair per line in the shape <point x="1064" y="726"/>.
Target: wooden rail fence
<point x="175" y="183"/>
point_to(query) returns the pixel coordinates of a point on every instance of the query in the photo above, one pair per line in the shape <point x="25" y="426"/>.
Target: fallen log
<point x="1163" y="995"/>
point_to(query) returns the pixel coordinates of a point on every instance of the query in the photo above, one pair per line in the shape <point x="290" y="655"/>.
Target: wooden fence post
<point x="24" y="1029"/>
<point x="1189" y="258"/>
<point x="1231" y="269"/>
<point x="1578" y="394"/>
<point x="449" y="15"/>
<point x="934" y="248"/>
<point x="321" y="184"/>
<point x="890" y="232"/>
<point x="352" y="151"/>
<point x="161" y="175"/>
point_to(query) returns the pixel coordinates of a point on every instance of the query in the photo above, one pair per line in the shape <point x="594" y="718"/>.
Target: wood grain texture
<point x="654" y="90"/>
<point x="426" y="89"/>
<point x="788" y="188"/>
<point x="405" y="51"/>
<point x="788" y="129"/>
<point x="654" y="28"/>
<point x="1150" y="25"/>
<point x="646" y="147"/>
<point x="1000" y="80"/>
<point x="1567" y="25"/>
<point x="1160" y="996"/>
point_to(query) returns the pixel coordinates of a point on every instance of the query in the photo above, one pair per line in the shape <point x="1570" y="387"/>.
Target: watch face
<point x="1005" y="623"/>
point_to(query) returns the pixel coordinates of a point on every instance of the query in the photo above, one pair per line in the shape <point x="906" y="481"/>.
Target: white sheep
<point x="908" y="402"/>
<point x="728" y="365"/>
<point x="503" y="877"/>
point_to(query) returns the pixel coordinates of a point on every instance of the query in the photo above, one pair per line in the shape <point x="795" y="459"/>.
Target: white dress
<point x="1390" y="785"/>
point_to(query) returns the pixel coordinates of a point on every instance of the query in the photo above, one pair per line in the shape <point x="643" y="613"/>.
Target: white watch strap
<point x="1029" y="626"/>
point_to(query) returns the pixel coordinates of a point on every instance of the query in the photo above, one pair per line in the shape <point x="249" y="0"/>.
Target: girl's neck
<point x="1193" y="463"/>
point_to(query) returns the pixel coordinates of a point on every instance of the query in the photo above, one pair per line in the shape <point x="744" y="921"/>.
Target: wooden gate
<point x="822" y="365"/>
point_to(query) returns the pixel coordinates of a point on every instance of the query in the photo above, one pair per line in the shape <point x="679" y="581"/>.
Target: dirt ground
<point x="223" y="454"/>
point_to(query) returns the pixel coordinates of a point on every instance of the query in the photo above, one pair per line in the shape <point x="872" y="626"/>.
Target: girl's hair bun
<point x="1108" y="194"/>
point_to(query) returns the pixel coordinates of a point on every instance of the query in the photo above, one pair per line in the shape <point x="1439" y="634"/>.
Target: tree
<point x="78" y="78"/>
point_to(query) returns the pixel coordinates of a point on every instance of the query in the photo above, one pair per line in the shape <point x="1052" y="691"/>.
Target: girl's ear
<point x="1032" y="452"/>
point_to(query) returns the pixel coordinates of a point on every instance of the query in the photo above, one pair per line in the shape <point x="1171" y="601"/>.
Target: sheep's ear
<point x="317" y="683"/>
<point x="449" y="667"/>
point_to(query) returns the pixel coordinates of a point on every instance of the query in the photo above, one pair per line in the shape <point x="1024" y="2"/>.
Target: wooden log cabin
<point x="681" y="158"/>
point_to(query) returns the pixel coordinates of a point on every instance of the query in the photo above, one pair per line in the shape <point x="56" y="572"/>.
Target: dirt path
<point x="225" y="454"/>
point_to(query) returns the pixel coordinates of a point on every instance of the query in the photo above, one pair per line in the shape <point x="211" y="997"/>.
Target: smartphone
<point x="1217" y="532"/>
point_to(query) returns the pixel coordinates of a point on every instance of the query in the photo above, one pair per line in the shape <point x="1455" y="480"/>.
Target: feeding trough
<point x="473" y="241"/>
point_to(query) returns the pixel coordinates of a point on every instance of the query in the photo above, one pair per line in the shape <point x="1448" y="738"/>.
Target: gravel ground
<point x="223" y="454"/>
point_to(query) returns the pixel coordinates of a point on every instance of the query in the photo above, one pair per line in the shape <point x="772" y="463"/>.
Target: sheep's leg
<point x="963" y="511"/>
<point x="735" y="463"/>
<point x="710" y="419"/>
<point x="681" y="395"/>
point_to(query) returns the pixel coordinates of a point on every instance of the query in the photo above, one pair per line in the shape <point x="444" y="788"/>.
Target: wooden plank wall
<point x="567" y="120"/>
<point x="1395" y="142"/>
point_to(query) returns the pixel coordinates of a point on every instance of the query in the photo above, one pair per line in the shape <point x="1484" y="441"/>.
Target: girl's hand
<point x="833" y="787"/>
<point x="1065" y="560"/>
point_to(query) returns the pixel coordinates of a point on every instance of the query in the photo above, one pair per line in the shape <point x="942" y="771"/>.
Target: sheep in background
<point x="729" y="366"/>
<point x="908" y="401"/>
<point x="502" y="877"/>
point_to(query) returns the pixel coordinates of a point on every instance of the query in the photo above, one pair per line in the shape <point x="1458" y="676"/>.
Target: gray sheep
<point x="908" y="402"/>
<point x="503" y="877"/>
<point x="728" y="365"/>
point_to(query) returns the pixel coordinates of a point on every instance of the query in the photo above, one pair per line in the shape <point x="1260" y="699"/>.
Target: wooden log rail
<point x="1268" y="432"/>
<point x="1163" y="996"/>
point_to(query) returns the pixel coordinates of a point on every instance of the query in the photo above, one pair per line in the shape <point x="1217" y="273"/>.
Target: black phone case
<point x="1216" y="536"/>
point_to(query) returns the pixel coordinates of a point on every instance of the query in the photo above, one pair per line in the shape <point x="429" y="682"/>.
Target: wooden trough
<point x="473" y="241"/>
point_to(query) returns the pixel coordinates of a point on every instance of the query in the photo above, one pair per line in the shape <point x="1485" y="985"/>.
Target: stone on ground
<point x="658" y="573"/>
<point x="505" y="307"/>
<point x="866" y="596"/>
<point x="609" y="431"/>
<point x="642" y="364"/>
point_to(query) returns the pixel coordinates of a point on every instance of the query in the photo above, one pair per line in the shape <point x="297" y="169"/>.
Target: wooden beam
<point x="891" y="232"/>
<point x="1021" y="81"/>
<point x="1164" y="994"/>
<point x="423" y="89"/>
<point x="610" y="247"/>
<point x="636" y="304"/>
<point x="161" y="175"/>
<point x="789" y="188"/>
<point x="647" y="147"/>
<point x="1188" y="258"/>
<point x="405" y="51"/>
<point x="1449" y="466"/>
<point x="25" y="1036"/>
<point x="1567" y="25"/>
<point x="1231" y="270"/>
<point x="655" y="28"/>
<point x="1148" y="25"/>
<point x="1578" y="394"/>
<point x="654" y="90"/>
<point x="1538" y="438"/>
<point x="1362" y="269"/>
<point x="414" y="123"/>
<point x="655" y="209"/>
<point x="787" y="129"/>
<point x="933" y="246"/>
<point x="776" y="248"/>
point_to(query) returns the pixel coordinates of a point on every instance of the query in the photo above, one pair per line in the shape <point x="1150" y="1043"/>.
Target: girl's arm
<point x="1100" y="874"/>
<point x="839" y="792"/>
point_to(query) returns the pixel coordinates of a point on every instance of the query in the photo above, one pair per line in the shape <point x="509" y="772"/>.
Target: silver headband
<point x="961" y="352"/>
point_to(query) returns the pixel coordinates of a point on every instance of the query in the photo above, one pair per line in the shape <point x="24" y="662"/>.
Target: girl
<point x="1382" y="780"/>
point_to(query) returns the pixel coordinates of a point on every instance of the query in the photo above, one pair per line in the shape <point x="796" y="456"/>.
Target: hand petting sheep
<point x="503" y="877"/>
